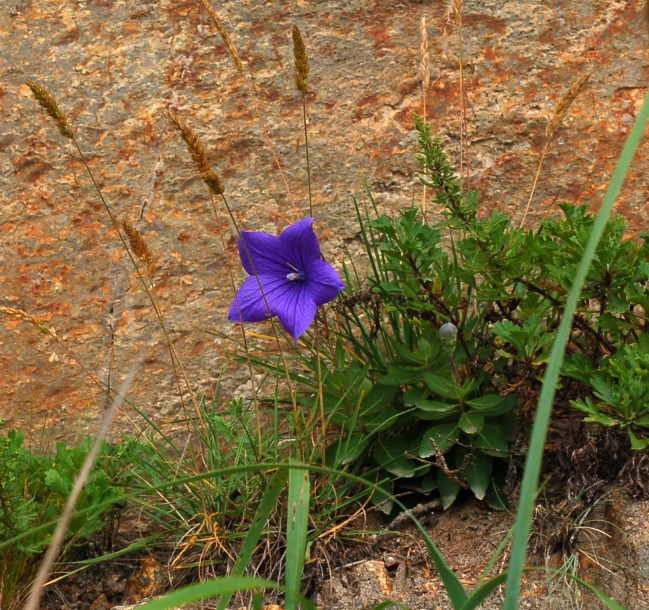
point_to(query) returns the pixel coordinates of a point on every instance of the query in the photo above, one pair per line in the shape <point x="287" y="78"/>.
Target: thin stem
<point x="253" y="99"/>
<point x="306" y="145"/>
<point x="536" y="179"/>
<point x="255" y="398"/>
<point x="464" y="154"/>
<point x="80" y="481"/>
<point x="323" y="422"/>
<point x="150" y="294"/>
<point x="296" y="415"/>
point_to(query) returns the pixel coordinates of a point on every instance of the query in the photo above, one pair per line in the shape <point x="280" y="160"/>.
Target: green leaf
<point x="400" y="375"/>
<point x="389" y="454"/>
<point x="427" y="351"/>
<point x="491" y="440"/>
<point x="471" y="422"/>
<point x="57" y="483"/>
<point x="377" y="398"/>
<point x="297" y="522"/>
<point x="414" y="395"/>
<point x="637" y="443"/>
<point x="438" y="384"/>
<point x="478" y="474"/>
<point x="642" y="421"/>
<point x="444" y="435"/>
<point x="266" y="506"/>
<point x="448" y="489"/>
<point x="211" y="589"/>
<point x="346" y="450"/>
<point x="493" y="404"/>
<point x="434" y="406"/>
<point x="386" y="418"/>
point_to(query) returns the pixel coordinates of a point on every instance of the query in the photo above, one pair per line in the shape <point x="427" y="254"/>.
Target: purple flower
<point x="292" y="274"/>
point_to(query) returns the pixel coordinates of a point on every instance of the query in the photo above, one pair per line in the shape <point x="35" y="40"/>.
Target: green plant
<point x="33" y="490"/>
<point x="425" y="415"/>
<point x="622" y="386"/>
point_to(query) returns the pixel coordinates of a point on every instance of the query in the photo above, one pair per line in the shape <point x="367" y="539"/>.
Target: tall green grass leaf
<point x="481" y="593"/>
<point x="546" y="399"/>
<point x="210" y="589"/>
<point x="266" y="506"/>
<point x="297" y="522"/>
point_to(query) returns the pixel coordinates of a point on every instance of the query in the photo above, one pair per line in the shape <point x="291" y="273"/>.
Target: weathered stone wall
<point x="114" y="66"/>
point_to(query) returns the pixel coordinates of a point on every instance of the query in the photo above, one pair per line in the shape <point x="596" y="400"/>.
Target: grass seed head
<point x="218" y="24"/>
<point x="425" y="62"/>
<point x="197" y="151"/>
<point x="26" y="317"/>
<point x="564" y="104"/>
<point x="48" y="103"/>
<point x="301" y="60"/>
<point x="141" y="251"/>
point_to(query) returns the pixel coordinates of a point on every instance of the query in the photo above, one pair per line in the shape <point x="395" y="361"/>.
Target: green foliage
<point x="33" y="491"/>
<point x="622" y="387"/>
<point x="425" y="416"/>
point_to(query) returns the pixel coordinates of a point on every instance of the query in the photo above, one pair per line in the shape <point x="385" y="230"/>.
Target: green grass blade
<point x="481" y="593"/>
<point x="210" y="589"/>
<point x="297" y="522"/>
<point x="546" y="399"/>
<point x="266" y="506"/>
<point x="494" y="558"/>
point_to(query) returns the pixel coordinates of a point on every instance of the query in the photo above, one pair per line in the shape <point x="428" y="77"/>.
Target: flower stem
<point x="306" y="146"/>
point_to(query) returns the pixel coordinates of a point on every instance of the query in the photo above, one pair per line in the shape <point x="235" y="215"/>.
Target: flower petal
<point x="301" y="244"/>
<point x="323" y="282"/>
<point x="297" y="310"/>
<point x="249" y="305"/>
<point x="262" y="253"/>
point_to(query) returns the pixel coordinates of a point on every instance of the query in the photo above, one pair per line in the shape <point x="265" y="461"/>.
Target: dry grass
<point x="559" y="114"/>
<point x="220" y="28"/>
<point x="301" y="60"/>
<point x="48" y="103"/>
<point x="141" y="251"/>
<point x="197" y="151"/>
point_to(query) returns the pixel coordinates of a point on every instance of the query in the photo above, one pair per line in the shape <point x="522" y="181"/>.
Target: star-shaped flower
<point x="292" y="274"/>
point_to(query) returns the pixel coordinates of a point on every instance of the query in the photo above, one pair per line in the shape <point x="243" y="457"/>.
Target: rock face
<point x="115" y="66"/>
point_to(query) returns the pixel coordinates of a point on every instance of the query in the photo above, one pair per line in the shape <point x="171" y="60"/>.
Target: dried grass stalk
<point x="26" y="317"/>
<point x="197" y="151"/>
<point x="218" y="24"/>
<point x="140" y="249"/>
<point x="301" y="60"/>
<point x="564" y="104"/>
<point x="48" y="103"/>
<point x="425" y="57"/>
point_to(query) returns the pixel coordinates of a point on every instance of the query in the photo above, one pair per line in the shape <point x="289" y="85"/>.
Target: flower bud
<point x="448" y="335"/>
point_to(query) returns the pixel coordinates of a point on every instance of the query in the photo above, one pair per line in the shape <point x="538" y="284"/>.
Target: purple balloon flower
<point x="292" y="274"/>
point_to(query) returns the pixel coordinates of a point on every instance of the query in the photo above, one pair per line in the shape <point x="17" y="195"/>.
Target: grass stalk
<point x="301" y="76"/>
<point x="216" y="189"/>
<point x="560" y="113"/>
<point x="220" y="28"/>
<point x="244" y="338"/>
<point x="81" y="479"/>
<point x="49" y="104"/>
<point x="464" y="155"/>
<point x="425" y="83"/>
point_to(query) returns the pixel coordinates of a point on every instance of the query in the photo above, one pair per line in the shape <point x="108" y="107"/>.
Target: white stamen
<point x="292" y="277"/>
